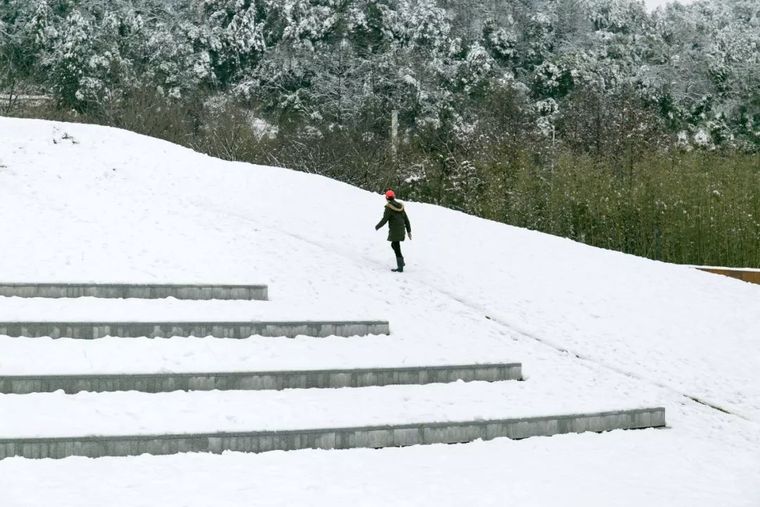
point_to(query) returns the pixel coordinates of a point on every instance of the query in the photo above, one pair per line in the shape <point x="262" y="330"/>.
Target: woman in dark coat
<point x="398" y="225"/>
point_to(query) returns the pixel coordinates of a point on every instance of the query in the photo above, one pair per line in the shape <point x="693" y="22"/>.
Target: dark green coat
<point x="397" y="220"/>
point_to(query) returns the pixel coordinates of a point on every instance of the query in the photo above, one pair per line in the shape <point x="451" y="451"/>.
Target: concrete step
<point x="142" y="291"/>
<point x="333" y="438"/>
<point x="259" y="380"/>
<point x="349" y="417"/>
<point x="244" y="329"/>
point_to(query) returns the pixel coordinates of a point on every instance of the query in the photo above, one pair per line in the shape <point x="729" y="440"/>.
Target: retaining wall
<point x="143" y="291"/>
<point x="332" y="438"/>
<point x="746" y="275"/>
<point x="92" y="330"/>
<point x="337" y="378"/>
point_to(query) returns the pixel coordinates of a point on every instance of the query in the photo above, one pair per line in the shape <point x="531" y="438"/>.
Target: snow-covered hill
<point x="592" y="328"/>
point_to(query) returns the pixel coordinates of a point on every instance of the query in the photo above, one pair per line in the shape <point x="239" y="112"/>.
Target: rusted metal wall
<point x="746" y="275"/>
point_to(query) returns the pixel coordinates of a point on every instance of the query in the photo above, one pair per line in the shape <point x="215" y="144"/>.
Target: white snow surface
<point x="594" y="330"/>
<point x="90" y="309"/>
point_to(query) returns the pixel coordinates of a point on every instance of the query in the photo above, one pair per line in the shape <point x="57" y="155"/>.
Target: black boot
<point x="400" y="265"/>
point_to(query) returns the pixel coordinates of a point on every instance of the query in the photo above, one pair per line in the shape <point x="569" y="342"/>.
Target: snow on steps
<point x="125" y="423"/>
<point x="167" y="423"/>
<point x="39" y="415"/>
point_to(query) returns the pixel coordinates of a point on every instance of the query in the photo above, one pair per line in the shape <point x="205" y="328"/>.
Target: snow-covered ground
<point x="594" y="329"/>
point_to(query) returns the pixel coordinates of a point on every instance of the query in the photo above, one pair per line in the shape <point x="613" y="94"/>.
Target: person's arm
<point x="408" y="225"/>
<point x="386" y="216"/>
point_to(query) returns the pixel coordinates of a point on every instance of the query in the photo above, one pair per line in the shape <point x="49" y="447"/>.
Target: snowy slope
<point x="86" y="203"/>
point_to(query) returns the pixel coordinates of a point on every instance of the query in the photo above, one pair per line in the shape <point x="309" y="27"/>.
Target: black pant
<point x="396" y="245"/>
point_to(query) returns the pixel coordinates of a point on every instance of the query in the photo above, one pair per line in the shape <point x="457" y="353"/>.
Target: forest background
<point x="591" y="119"/>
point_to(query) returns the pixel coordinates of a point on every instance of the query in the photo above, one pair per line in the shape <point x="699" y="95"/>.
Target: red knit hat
<point x="390" y="194"/>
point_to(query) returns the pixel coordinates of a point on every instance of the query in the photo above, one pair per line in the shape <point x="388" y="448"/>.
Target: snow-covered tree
<point x="228" y="38"/>
<point x="26" y="29"/>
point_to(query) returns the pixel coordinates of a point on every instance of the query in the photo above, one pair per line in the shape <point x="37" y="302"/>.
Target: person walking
<point x="398" y="224"/>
